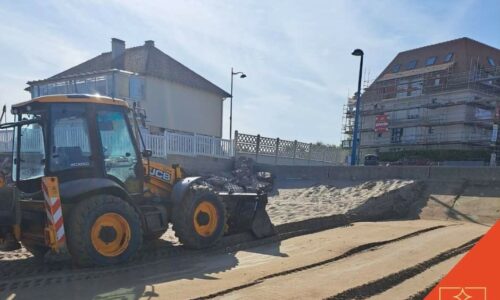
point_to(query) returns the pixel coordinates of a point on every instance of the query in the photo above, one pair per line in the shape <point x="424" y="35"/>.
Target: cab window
<point x="120" y="157"/>
<point x="70" y="138"/>
<point x="31" y="152"/>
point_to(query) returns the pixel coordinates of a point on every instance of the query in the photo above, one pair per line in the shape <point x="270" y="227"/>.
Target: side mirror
<point x="147" y="153"/>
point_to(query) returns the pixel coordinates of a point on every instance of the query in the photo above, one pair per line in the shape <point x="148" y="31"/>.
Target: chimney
<point x="117" y="48"/>
<point x="149" y="43"/>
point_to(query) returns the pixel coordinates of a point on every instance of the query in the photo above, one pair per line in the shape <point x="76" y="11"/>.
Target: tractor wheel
<point x="199" y="220"/>
<point x="38" y="251"/>
<point x="103" y="230"/>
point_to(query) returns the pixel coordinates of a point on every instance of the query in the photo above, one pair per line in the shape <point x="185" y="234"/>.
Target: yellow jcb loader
<point x="81" y="184"/>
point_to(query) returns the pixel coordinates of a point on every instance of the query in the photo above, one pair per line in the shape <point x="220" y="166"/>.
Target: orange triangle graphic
<point x="477" y="275"/>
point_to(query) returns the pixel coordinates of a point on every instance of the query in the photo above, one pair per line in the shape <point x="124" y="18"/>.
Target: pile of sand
<point x="296" y="200"/>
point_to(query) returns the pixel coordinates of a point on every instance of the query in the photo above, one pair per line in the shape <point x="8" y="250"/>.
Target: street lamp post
<point x="355" y="139"/>
<point x="242" y="75"/>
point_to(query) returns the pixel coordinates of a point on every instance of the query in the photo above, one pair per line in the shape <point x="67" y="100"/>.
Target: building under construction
<point x="438" y="97"/>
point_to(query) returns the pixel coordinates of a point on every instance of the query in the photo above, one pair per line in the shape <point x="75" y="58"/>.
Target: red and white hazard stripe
<point x="54" y="211"/>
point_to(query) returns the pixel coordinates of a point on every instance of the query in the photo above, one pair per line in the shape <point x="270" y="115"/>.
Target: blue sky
<point x="296" y="53"/>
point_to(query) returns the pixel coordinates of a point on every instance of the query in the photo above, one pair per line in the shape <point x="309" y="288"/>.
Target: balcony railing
<point x="435" y="138"/>
<point x="112" y="83"/>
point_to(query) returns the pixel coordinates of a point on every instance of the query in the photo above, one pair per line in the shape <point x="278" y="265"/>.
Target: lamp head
<point x="357" y="52"/>
<point x="243" y="75"/>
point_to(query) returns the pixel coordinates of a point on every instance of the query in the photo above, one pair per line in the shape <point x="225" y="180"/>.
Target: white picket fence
<point x="188" y="144"/>
<point x="161" y="145"/>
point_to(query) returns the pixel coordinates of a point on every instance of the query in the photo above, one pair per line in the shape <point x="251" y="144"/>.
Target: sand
<point x="296" y="200"/>
<point x="238" y="275"/>
<point x="263" y="271"/>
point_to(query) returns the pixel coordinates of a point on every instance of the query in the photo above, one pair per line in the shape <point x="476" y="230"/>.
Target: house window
<point x="411" y="65"/>
<point x="101" y="85"/>
<point x="430" y="61"/>
<point x="415" y="88"/>
<point x="437" y="80"/>
<point x="402" y="88"/>
<point x="396" y="135"/>
<point x="379" y="135"/>
<point x="136" y="88"/>
<point x="396" y="68"/>
<point x="491" y="61"/>
<point x="448" y="57"/>
<point x="430" y="130"/>
<point x="412" y="114"/>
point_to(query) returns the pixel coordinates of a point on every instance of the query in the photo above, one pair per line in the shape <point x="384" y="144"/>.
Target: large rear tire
<point x="103" y="230"/>
<point x="199" y="220"/>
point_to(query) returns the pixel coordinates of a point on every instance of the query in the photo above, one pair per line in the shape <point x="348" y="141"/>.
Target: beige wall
<point x="179" y="107"/>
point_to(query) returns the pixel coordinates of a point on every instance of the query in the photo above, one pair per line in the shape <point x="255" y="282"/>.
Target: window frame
<point x="434" y="59"/>
<point x="412" y="64"/>
<point x="396" y="68"/>
<point x="138" y="168"/>
<point x="51" y="139"/>
<point x="127" y="123"/>
<point x="396" y="135"/>
<point x="491" y="61"/>
<point x="17" y="150"/>
<point x="449" y="57"/>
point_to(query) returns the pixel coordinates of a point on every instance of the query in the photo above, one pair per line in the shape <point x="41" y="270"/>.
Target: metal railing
<point x="435" y="138"/>
<point x="284" y="151"/>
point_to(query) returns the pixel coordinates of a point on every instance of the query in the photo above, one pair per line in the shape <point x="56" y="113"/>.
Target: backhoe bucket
<point x="247" y="211"/>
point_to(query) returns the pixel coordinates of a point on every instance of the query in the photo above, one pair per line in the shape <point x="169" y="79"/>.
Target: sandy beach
<point x="296" y="200"/>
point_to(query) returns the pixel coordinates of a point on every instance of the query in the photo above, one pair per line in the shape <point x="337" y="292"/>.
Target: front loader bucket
<point x="261" y="225"/>
<point x="247" y="211"/>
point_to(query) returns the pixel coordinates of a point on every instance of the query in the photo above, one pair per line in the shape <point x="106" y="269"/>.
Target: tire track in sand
<point x="380" y="285"/>
<point x="353" y="251"/>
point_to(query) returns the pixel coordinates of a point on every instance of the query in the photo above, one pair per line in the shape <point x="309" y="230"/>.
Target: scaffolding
<point x="427" y="98"/>
<point x="411" y="84"/>
<point x="348" y="117"/>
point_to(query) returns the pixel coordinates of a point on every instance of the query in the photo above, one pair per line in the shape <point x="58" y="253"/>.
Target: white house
<point x="175" y="97"/>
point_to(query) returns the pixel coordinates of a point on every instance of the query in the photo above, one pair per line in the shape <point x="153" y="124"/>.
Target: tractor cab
<point x="75" y="138"/>
<point x="87" y="142"/>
